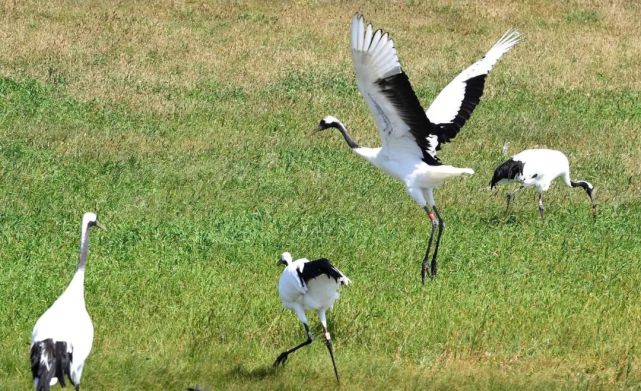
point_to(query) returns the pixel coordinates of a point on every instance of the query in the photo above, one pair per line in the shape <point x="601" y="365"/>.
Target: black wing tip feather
<point x="318" y="267"/>
<point x="57" y="358"/>
<point x="398" y="89"/>
<point x="473" y="91"/>
<point x="42" y="356"/>
<point x="509" y="169"/>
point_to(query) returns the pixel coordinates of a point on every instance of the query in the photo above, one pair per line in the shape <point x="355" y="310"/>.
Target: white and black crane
<point x="538" y="168"/>
<point x="309" y="285"/>
<point x="62" y="337"/>
<point x="410" y="136"/>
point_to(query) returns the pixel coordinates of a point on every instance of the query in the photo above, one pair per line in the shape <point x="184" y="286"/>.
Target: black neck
<point x="341" y="128"/>
<point x="584" y="185"/>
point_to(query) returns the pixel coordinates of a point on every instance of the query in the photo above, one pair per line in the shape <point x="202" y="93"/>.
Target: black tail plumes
<point x="49" y="360"/>
<point x="508" y="170"/>
<point x="42" y="363"/>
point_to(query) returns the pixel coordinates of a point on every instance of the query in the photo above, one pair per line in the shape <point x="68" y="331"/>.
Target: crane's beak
<point x="100" y="225"/>
<point x="314" y="131"/>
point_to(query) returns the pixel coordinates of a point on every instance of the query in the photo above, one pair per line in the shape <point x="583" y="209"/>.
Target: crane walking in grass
<point x="63" y="335"/>
<point x="538" y="168"/>
<point x="411" y="136"/>
<point x="309" y="285"/>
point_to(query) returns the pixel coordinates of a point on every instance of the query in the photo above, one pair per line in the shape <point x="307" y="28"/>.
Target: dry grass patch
<point x="114" y="52"/>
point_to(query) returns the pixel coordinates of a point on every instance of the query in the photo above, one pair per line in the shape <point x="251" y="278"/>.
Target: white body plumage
<point x="318" y="293"/>
<point x="538" y="168"/>
<point x="67" y="320"/>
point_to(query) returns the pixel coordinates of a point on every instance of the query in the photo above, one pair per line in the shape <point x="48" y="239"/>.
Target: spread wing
<point x="402" y="124"/>
<point x="454" y="105"/>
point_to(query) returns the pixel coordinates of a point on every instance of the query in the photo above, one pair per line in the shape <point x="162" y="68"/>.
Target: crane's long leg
<point x="510" y="198"/>
<point x="541" y="208"/>
<point x="429" y="243"/>
<point x="280" y="360"/>
<point x="441" y="227"/>
<point x="328" y="342"/>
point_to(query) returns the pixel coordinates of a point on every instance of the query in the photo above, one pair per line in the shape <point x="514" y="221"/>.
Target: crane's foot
<point x="280" y="360"/>
<point x="428" y="269"/>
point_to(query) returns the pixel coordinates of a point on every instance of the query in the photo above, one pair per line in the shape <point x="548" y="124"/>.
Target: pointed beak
<point x="314" y="131"/>
<point x="100" y="225"/>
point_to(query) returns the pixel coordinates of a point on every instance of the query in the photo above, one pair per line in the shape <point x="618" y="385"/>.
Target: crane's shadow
<point x="259" y="373"/>
<point x="499" y="219"/>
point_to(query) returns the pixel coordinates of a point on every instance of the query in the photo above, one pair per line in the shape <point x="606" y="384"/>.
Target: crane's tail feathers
<point x="50" y="362"/>
<point x="455" y="171"/>
<point x="438" y="174"/>
<point x="42" y="364"/>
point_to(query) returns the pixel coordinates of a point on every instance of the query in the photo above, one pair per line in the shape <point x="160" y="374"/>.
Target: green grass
<point x="190" y="145"/>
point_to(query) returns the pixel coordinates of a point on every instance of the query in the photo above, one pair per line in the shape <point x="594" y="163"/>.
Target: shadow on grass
<point x="262" y="372"/>
<point x="500" y="219"/>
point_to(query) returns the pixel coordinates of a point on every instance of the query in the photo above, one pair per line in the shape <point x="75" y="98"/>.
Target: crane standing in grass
<point x="411" y="136"/>
<point x="538" y="168"/>
<point x="309" y="285"/>
<point x="63" y="335"/>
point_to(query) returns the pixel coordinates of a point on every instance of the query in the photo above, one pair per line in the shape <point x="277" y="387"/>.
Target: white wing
<point x="401" y="122"/>
<point x="456" y="102"/>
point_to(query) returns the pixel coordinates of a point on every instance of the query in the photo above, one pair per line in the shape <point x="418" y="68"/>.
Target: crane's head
<point x="327" y="123"/>
<point x="285" y="258"/>
<point x="90" y="219"/>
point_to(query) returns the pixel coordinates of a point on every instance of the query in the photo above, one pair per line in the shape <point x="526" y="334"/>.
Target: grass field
<point x="183" y="126"/>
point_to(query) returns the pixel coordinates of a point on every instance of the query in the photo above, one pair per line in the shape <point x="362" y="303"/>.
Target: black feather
<point x="471" y="98"/>
<point x="63" y="362"/>
<point x="398" y="90"/>
<point x="57" y="359"/>
<point x="507" y="170"/>
<point x="42" y="356"/>
<point x="313" y="269"/>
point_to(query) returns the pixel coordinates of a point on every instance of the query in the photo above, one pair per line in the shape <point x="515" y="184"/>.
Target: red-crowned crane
<point x="411" y="136"/>
<point x="62" y="337"/>
<point x="538" y="168"/>
<point x="309" y="285"/>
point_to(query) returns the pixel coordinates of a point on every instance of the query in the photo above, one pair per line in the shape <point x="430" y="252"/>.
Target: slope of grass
<point x="184" y="126"/>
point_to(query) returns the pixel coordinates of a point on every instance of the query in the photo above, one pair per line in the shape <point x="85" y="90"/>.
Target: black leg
<point x="426" y="258"/>
<point x="541" y="208"/>
<point x="441" y="227"/>
<point x="510" y="198"/>
<point x="330" y="348"/>
<point x="280" y="360"/>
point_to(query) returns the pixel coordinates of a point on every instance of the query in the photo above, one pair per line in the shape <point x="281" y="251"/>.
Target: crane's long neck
<point x="341" y="128"/>
<point x="84" y="247"/>
<point x="78" y="282"/>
